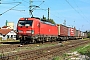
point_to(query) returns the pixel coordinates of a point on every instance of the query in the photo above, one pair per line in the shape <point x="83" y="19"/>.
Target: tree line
<point x="48" y="20"/>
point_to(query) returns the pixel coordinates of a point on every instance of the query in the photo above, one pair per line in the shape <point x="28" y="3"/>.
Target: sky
<point x="75" y="12"/>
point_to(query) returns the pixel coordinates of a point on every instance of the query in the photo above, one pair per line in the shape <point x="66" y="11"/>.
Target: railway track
<point x="45" y="53"/>
<point x="15" y="47"/>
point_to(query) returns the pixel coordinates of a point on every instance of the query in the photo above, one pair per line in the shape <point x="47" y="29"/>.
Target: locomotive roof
<point x="29" y="17"/>
<point x="46" y="22"/>
<point x="43" y="21"/>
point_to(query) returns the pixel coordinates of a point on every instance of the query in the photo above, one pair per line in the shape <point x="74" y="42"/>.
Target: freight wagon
<point x="77" y="34"/>
<point x="71" y="33"/>
<point x="84" y="35"/>
<point x="62" y="32"/>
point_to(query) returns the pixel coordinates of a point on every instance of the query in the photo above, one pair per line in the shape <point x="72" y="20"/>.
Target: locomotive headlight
<point x="20" y="31"/>
<point x="32" y="31"/>
<point x="28" y="31"/>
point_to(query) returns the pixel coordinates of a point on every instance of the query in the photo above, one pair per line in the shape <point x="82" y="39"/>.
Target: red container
<point x="71" y="31"/>
<point x="62" y="30"/>
<point x="79" y="34"/>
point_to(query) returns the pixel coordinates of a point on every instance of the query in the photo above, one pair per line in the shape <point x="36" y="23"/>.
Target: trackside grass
<point x="56" y="58"/>
<point x="81" y="50"/>
<point x="84" y="50"/>
<point x="85" y="39"/>
<point x="9" y="40"/>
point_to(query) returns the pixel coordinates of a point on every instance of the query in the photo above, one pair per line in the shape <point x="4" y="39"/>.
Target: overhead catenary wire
<point x="58" y="16"/>
<point x="33" y="7"/>
<point x="35" y="1"/>
<point x="83" y="16"/>
<point x="25" y="1"/>
<point x="10" y="8"/>
<point x="17" y="10"/>
<point x="74" y="8"/>
<point x="38" y="5"/>
<point x="32" y="1"/>
<point x="41" y="8"/>
<point x="80" y="10"/>
<point x="9" y="3"/>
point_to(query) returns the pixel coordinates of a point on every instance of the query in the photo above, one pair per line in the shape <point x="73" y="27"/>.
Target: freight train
<point x="32" y="30"/>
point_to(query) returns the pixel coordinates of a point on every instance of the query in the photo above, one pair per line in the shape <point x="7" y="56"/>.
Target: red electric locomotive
<point x="32" y="30"/>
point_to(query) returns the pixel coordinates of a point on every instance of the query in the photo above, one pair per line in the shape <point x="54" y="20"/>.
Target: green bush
<point x="56" y="58"/>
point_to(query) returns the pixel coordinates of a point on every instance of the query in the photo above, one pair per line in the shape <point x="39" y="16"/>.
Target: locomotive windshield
<point x="25" y="23"/>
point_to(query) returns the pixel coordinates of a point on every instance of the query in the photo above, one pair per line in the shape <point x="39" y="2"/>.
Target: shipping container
<point x="71" y="31"/>
<point x="85" y="35"/>
<point x="80" y="34"/>
<point x="76" y="33"/>
<point x="62" y="30"/>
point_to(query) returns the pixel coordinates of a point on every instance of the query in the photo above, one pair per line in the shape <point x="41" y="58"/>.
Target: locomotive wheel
<point x="21" y="41"/>
<point x="34" y="41"/>
<point x="42" y="41"/>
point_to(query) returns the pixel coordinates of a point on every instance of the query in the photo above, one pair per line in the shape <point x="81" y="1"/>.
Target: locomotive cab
<point x="25" y="29"/>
